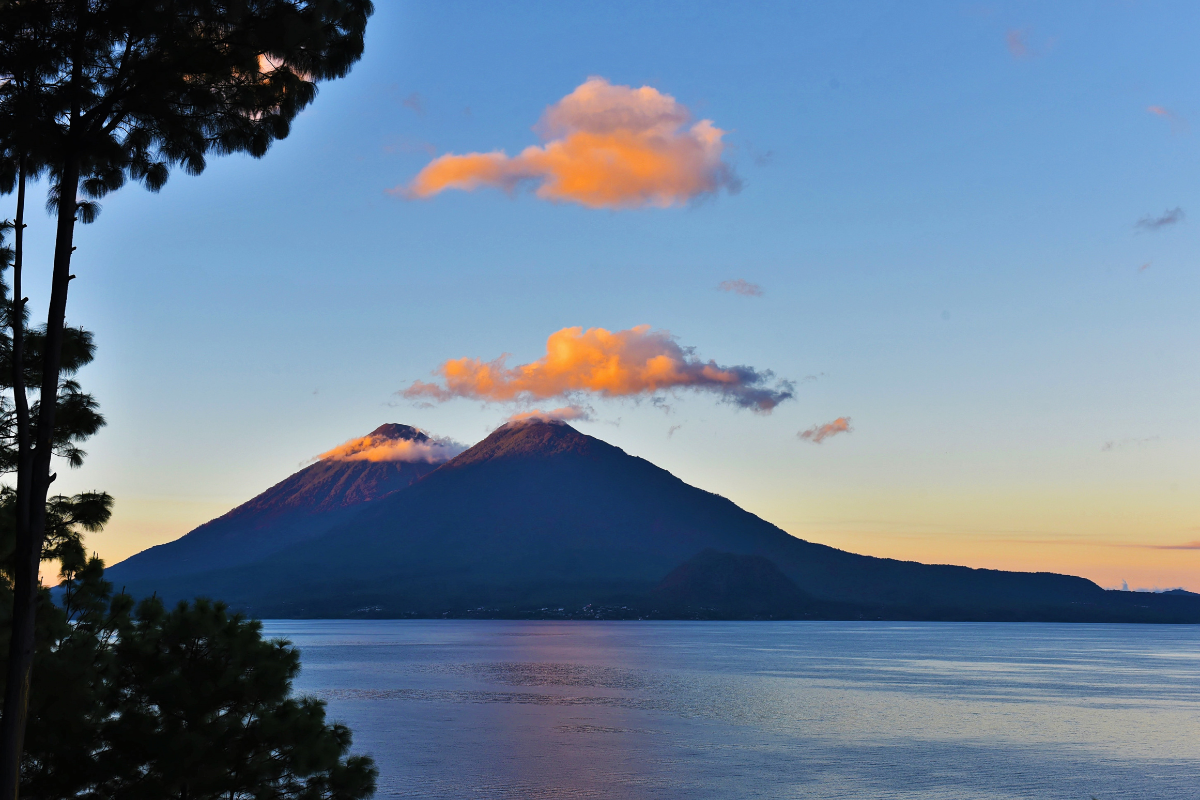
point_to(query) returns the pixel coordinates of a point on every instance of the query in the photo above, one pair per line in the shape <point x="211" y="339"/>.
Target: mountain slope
<point x="539" y="515"/>
<point x="309" y="503"/>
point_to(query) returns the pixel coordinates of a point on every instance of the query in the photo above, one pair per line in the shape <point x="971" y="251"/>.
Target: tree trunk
<point x="30" y="540"/>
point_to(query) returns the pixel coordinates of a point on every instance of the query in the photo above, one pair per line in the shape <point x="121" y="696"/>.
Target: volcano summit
<point x="539" y="519"/>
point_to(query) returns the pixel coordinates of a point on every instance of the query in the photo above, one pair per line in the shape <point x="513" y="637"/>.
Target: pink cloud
<point x="1018" y="43"/>
<point x="741" y="287"/>
<point x="819" y="433"/>
<point x="1178" y="124"/>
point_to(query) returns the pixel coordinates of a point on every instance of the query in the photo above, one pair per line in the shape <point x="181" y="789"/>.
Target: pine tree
<point x="110" y="90"/>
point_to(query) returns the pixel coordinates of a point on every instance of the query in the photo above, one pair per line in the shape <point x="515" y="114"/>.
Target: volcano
<point x="540" y="519"/>
<point x="306" y="505"/>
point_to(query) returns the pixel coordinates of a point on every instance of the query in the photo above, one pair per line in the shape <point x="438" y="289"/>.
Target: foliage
<point x="145" y="702"/>
<point x="78" y="417"/>
<point x="129" y="88"/>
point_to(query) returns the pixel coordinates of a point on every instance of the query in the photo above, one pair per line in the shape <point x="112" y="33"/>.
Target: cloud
<point x="819" y="433"/>
<point x="415" y="102"/>
<point x="605" y="146"/>
<point x="741" y="287"/>
<point x="1113" y="444"/>
<point x="1178" y="124"/>
<point x="564" y="414"/>
<point x="638" y="362"/>
<point x="1149" y="223"/>
<point x="1018" y="43"/>
<point x="1185" y="546"/>
<point x="381" y="448"/>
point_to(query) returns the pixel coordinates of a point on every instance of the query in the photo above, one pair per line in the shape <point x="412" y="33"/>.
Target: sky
<point x="916" y="281"/>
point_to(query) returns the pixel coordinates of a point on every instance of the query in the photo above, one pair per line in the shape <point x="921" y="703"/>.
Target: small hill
<point x="715" y="585"/>
<point x="311" y="502"/>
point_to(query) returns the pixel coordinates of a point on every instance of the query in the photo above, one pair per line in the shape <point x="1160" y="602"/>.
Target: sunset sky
<point x="918" y="283"/>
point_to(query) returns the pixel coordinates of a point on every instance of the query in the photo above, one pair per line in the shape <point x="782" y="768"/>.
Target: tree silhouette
<point x="112" y="90"/>
<point x="146" y="702"/>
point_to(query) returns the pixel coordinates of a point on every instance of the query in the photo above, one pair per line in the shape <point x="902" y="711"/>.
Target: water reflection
<point x="474" y="709"/>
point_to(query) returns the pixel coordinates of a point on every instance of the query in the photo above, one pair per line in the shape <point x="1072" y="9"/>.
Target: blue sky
<point x="940" y="204"/>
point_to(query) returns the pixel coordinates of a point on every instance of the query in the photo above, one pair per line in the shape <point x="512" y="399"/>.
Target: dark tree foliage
<point x="205" y="712"/>
<point x="97" y="92"/>
<point x="145" y="702"/>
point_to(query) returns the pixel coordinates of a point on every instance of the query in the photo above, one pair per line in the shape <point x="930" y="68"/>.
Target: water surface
<point x="689" y="710"/>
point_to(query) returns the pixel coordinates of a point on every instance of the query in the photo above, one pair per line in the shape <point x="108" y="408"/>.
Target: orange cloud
<point x="819" y="433"/>
<point x="628" y="363"/>
<point x="375" y="448"/>
<point x="741" y="287"/>
<point x="605" y="147"/>
<point x="564" y="414"/>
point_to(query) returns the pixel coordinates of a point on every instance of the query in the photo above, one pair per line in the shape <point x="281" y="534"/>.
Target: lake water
<point x="691" y="710"/>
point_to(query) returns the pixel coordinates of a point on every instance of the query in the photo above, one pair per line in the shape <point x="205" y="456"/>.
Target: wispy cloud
<point x="1017" y="40"/>
<point x="381" y="448"/>
<point x="1167" y="218"/>
<point x="605" y="146"/>
<point x="1116" y="444"/>
<point x="629" y="363"/>
<point x="1185" y="546"/>
<point x="819" y="433"/>
<point x="415" y="102"/>
<point x="1178" y="124"/>
<point x="741" y="287"/>
<point x="564" y="414"/>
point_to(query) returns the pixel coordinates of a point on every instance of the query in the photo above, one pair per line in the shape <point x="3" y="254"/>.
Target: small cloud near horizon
<point x="739" y="286"/>
<point x="1115" y="444"/>
<point x="819" y="433"/>
<point x="606" y="146"/>
<point x="1169" y="217"/>
<point x="1184" y="546"/>
<point x="638" y="362"/>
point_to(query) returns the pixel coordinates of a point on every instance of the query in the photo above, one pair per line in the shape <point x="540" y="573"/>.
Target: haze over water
<point x="674" y="710"/>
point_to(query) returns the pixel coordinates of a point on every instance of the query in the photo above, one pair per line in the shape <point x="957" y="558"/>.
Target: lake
<point x="688" y="710"/>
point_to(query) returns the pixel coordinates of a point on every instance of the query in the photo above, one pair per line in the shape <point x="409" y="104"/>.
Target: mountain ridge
<point x="540" y="515"/>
